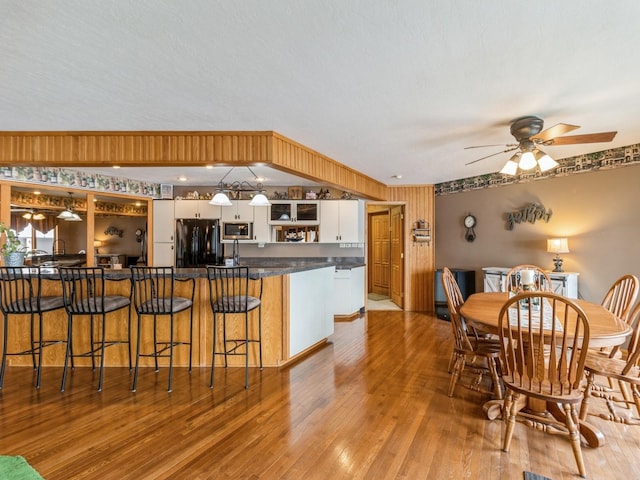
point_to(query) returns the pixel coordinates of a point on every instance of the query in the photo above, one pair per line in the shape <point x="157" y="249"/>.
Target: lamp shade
<point x="527" y="161"/>
<point x="221" y="199"/>
<point x="510" y="168"/>
<point x="545" y="162"/>
<point x="66" y="214"/>
<point x="260" y="200"/>
<point x="557" y="245"/>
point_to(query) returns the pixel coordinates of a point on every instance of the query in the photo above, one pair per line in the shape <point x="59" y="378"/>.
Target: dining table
<point x="482" y="310"/>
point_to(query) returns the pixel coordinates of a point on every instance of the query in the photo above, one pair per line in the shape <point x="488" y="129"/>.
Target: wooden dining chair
<point x="543" y="339"/>
<point x="619" y="300"/>
<point x="468" y="348"/>
<point x="626" y="372"/>
<point x="513" y="280"/>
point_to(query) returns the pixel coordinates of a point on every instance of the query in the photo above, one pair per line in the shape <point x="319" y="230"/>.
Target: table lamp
<point x="557" y="246"/>
<point x="96" y="245"/>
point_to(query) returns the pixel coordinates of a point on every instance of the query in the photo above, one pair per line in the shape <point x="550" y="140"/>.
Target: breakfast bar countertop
<point x="258" y="267"/>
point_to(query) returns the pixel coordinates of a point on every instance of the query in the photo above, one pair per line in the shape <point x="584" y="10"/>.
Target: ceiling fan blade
<point x="493" y="155"/>
<point x="587" y="138"/>
<point x="482" y="146"/>
<point x="555" y="131"/>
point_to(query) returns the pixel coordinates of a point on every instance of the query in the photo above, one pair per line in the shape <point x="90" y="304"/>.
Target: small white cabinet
<point x="196" y="209"/>
<point x="261" y="224"/>
<point x="563" y="283"/>
<point x="341" y="221"/>
<point x="239" y="211"/>
<point x="349" y="291"/>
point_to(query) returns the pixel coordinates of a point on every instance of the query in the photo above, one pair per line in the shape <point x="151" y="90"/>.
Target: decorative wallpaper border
<point x="613" y="158"/>
<point x="63" y="177"/>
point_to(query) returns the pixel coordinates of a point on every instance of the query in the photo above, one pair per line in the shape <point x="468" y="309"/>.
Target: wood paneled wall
<point x="419" y="263"/>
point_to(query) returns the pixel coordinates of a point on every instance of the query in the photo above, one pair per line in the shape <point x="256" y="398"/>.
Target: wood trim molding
<point x="191" y="149"/>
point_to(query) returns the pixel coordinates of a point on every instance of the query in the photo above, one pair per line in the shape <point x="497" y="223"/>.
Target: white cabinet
<point x="163" y="254"/>
<point x="261" y="224"/>
<point x="163" y="233"/>
<point x="196" y="209"/>
<point x="341" y="221"/>
<point x="349" y="291"/>
<point x="163" y="224"/>
<point x="310" y="308"/>
<point x="239" y="211"/>
<point x="303" y="212"/>
<point x="563" y="283"/>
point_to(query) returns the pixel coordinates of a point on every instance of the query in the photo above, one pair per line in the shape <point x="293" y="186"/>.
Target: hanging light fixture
<point x="33" y="216"/>
<point x="528" y="158"/>
<point x="68" y="214"/>
<point x="222" y="199"/>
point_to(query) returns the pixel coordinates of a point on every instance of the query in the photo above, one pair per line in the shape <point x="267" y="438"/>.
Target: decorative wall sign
<point x="531" y="213"/>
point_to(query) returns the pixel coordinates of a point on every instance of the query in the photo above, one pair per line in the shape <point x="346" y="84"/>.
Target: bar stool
<point x="20" y="292"/>
<point x="84" y="295"/>
<point x="229" y="295"/>
<point x="153" y="295"/>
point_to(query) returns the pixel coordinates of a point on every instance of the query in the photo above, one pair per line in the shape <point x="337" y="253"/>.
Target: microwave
<point x="237" y="231"/>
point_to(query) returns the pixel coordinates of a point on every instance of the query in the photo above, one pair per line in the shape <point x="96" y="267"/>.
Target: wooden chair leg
<point x="574" y="436"/>
<point x="586" y="398"/>
<point x="493" y="368"/>
<point x="458" y="367"/>
<point x="510" y="413"/>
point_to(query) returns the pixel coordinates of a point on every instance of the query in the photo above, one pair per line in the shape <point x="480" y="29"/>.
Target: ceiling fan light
<point x="510" y="168"/>
<point x="545" y="162"/>
<point x="527" y="161"/>
<point x="220" y="199"/>
<point x="260" y="200"/>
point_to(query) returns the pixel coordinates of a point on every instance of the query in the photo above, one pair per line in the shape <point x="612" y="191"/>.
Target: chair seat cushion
<point x="31" y="305"/>
<point x="164" y="305"/>
<point x="236" y="304"/>
<point x="94" y="305"/>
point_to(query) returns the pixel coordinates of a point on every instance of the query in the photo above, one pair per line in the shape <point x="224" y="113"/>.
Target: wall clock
<point x="470" y="223"/>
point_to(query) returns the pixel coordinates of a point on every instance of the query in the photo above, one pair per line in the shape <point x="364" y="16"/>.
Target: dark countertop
<point x="258" y="267"/>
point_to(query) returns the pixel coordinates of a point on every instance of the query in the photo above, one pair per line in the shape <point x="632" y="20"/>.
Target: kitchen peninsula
<point x="297" y="312"/>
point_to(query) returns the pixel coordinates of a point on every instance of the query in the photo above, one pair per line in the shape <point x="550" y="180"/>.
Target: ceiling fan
<point x="529" y="134"/>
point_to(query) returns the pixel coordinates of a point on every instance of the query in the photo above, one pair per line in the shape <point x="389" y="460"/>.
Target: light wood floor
<point x="372" y="404"/>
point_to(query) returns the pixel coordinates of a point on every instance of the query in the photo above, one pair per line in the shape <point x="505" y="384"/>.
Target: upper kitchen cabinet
<point x="301" y="212"/>
<point x="342" y="221"/>
<point x="196" y="209"/>
<point x="239" y="211"/>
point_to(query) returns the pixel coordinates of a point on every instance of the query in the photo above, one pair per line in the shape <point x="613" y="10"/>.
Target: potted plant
<point x="12" y="250"/>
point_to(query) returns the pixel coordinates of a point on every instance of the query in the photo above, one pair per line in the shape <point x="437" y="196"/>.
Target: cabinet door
<point x="330" y="221"/>
<point x="239" y="211"/>
<point x="349" y="221"/>
<point x="163" y="254"/>
<point x="196" y="209"/>
<point x="163" y="221"/>
<point x="261" y="224"/>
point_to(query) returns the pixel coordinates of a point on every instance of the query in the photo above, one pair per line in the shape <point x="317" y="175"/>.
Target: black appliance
<point x="466" y="280"/>
<point x="198" y="243"/>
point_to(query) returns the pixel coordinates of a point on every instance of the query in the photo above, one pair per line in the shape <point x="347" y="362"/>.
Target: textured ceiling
<point x="385" y="87"/>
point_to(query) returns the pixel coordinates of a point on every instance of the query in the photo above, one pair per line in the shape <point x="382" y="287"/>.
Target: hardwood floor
<point x="372" y="404"/>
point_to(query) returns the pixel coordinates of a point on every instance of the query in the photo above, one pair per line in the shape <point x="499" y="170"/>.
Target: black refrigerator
<point x="198" y="243"/>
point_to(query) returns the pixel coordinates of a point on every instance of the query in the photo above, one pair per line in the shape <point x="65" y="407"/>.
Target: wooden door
<point x="379" y="253"/>
<point x="396" y="284"/>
